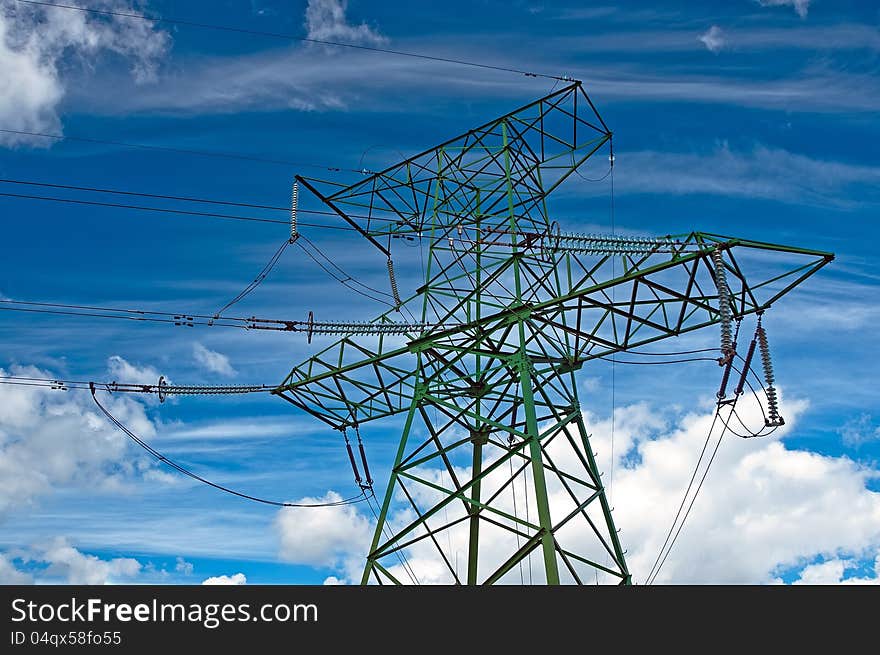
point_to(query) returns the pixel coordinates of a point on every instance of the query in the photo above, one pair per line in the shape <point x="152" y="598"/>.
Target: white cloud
<point x="183" y="567"/>
<point x="830" y="572"/>
<point x="858" y="431"/>
<point x="833" y="572"/>
<point x="764" y="508"/>
<point x="800" y="6"/>
<point x="306" y="79"/>
<point x="245" y="428"/>
<point x="713" y="39"/>
<point x="124" y="371"/>
<point x="842" y="36"/>
<point x="9" y="574"/>
<point x="212" y="361"/>
<point x="766" y="173"/>
<point x="820" y="88"/>
<point x="326" y="20"/>
<point x="332" y="581"/>
<point x="74" y="567"/>
<point x="40" y="46"/>
<point x="51" y="439"/>
<point x="324" y="537"/>
<point x="235" y="579"/>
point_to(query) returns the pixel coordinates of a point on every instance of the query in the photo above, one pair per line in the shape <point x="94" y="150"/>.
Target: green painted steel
<point x="494" y="479"/>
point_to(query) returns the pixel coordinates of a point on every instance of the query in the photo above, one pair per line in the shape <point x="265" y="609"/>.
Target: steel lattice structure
<point x="510" y="309"/>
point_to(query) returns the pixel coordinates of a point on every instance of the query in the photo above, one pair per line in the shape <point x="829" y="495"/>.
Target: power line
<point x="684" y="498"/>
<point x="184" y="151"/>
<point x="401" y="555"/>
<point x="344" y="281"/>
<point x="158" y="196"/>
<point x="671" y="353"/>
<point x="178" y="319"/>
<point x="162" y="388"/>
<point x="196" y="200"/>
<point x="160" y="457"/>
<point x="309" y="327"/>
<point x="162" y="210"/>
<point x="264" y="272"/>
<point x="304" y="39"/>
<point x="696" y="493"/>
<point x="661" y="557"/>
<point x="192" y="199"/>
<point x="614" y="360"/>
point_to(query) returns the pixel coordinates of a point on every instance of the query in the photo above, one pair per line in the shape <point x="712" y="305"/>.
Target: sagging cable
<point x="180" y="469"/>
<point x="262" y="275"/>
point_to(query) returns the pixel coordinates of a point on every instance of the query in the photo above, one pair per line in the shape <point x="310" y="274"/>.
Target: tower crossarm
<point x="506" y="166"/>
<point x="603" y="304"/>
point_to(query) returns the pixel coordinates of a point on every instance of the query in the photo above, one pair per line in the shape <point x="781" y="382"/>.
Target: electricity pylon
<point x="510" y="309"/>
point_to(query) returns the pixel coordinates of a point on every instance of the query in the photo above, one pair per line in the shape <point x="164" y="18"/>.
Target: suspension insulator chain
<point x="369" y="480"/>
<point x="724" y="307"/>
<point x="746" y="366"/>
<point x="600" y="244"/>
<point x="354" y="468"/>
<point x="722" y="390"/>
<point x="317" y="327"/>
<point x="773" y="418"/>
<point x="294" y="201"/>
<point x="394" y="291"/>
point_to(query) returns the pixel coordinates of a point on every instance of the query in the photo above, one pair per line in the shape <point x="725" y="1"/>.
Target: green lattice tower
<point x="495" y="462"/>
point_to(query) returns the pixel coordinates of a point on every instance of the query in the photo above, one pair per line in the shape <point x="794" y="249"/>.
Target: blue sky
<point x="746" y="118"/>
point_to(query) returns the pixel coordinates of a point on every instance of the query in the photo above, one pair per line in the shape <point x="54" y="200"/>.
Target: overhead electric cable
<point x="264" y="272"/>
<point x="159" y="456"/>
<point x="162" y="389"/>
<point x="160" y="196"/>
<point x="293" y="37"/>
<point x="684" y="498"/>
<point x="163" y="210"/>
<point x="694" y="498"/>
<point x="183" y="151"/>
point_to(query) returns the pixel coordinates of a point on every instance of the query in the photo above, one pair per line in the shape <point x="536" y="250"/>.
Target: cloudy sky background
<point x="746" y="118"/>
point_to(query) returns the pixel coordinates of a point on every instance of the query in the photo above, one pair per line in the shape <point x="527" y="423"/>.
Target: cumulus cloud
<point x="326" y="537"/>
<point x="235" y="579"/>
<point x="835" y="572"/>
<point x="212" y="361"/>
<point x="74" y="567"/>
<point x="713" y="39"/>
<point x="765" y="508"/>
<point x="58" y="562"/>
<point x="41" y="46"/>
<point x="124" y="371"/>
<point x="780" y="504"/>
<point x="51" y="439"/>
<point x="9" y="574"/>
<point x="326" y="20"/>
<point x="800" y="6"/>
